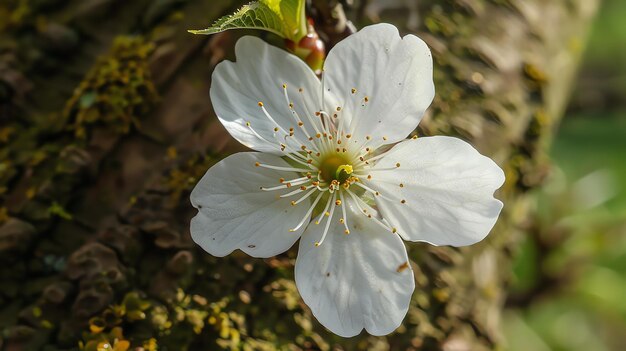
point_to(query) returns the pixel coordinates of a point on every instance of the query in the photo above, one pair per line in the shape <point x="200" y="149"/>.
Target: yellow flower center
<point x="335" y="167"/>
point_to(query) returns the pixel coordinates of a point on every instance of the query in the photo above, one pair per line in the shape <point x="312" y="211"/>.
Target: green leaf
<point x="284" y="18"/>
<point x="294" y="18"/>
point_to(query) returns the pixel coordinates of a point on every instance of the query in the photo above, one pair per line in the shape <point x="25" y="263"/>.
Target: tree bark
<point x="104" y="133"/>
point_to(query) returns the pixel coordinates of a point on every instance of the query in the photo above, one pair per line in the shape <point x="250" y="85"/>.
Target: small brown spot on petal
<point x="402" y="267"/>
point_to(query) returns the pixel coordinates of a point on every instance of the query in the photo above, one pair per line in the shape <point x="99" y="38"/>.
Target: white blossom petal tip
<point x="334" y="166"/>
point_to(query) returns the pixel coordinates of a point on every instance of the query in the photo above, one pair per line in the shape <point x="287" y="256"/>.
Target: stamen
<point x="281" y="148"/>
<point x="287" y="184"/>
<point x="324" y="212"/>
<point x="289" y="169"/>
<point x="308" y="213"/>
<point x="376" y="193"/>
<point x="328" y="221"/>
<point x="297" y="191"/>
<point x="294" y="114"/>
<point x="343" y="213"/>
<point x="303" y="197"/>
<point x="358" y="203"/>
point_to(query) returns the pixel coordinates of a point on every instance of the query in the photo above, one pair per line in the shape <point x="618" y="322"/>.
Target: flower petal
<point x="235" y="214"/>
<point x="355" y="281"/>
<point x="258" y="76"/>
<point x="448" y="188"/>
<point x="394" y="73"/>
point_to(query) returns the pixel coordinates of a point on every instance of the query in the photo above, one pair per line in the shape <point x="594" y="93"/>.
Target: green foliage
<point x="284" y="18"/>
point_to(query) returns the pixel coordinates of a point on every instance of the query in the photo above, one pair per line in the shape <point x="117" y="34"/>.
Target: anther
<point x="368" y="137"/>
<point x="393" y="230"/>
<point x="398" y="164"/>
<point x="338" y="202"/>
<point x="300" y="124"/>
<point x="284" y="86"/>
<point x="353" y="91"/>
<point x="303" y="188"/>
<point x="257" y="164"/>
<point x="348" y="136"/>
<point x="288" y="185"/>
<point x="366" y="99"/>
<point x="300" y="90"/>
<point x="260" y="104"/>
<point x="414" y="137"/>
<point x="403" y="201"/>
<point x="384" y="138"/>
<point x="401" y="185"/>
<point x="338" y="108"/>
<point x="281" y="180"/>
<point x="276" y="129"/>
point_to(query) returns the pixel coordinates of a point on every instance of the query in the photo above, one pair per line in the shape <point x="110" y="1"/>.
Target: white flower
<point x="333" y="166"/>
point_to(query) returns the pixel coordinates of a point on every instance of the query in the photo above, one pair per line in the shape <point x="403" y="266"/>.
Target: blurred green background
<point x="569" y="286"/>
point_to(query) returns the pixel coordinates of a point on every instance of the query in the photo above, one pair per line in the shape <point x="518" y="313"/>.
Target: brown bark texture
<point x="106" y="126"/>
